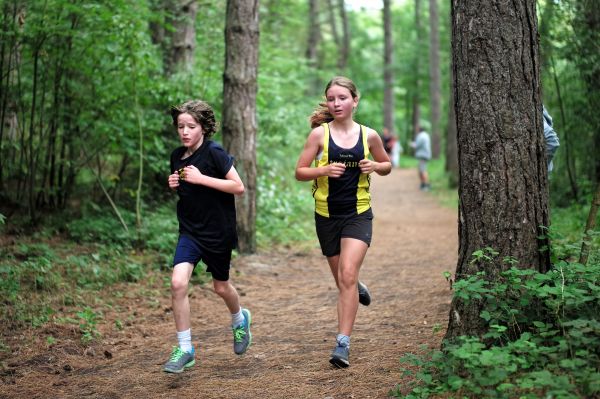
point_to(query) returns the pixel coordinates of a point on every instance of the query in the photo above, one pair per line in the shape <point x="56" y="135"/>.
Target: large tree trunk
<point x="435" y="91"/>
<point x="503" y="184"/>
<point x="451" y="144"/>
<point x="179" y="51"/>
<point x="239" y="108"/>
<point x="388" y="69"/>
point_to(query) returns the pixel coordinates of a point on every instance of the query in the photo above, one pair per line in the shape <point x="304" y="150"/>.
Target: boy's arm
<point x="231" y="184"/>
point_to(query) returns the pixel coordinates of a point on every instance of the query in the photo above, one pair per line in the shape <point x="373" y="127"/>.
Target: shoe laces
<point x="176" y="354"/>
<point x="239" y="333"/>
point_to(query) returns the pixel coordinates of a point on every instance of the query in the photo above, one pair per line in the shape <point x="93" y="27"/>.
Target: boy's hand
<point x="174" y="180"/>
<point x="191" y="174"/>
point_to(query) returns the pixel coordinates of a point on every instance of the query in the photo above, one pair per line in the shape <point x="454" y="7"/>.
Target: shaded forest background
<point x="86" y="88"/>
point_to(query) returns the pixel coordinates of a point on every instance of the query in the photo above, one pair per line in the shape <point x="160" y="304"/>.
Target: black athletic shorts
<point x="217" y="263"/>
<point x="330" y="231"/>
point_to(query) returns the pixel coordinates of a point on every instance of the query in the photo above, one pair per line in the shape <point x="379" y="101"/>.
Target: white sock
<point x="343" y="340"/>
<point x="237" y="318"/>
<point x="185" y="340"/>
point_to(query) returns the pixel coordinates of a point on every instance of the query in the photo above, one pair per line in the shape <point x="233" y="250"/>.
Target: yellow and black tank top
<point x="348" y="194"/>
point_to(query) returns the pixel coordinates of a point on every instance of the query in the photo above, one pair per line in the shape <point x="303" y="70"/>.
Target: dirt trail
<point x="292" y="298"/>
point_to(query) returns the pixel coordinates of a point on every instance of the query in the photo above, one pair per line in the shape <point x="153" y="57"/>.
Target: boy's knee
<point x="178" y="285"/>
<point x="221" y="288"/>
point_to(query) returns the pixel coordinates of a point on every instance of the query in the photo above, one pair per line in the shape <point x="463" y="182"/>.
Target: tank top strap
<point x="365" y="140"/>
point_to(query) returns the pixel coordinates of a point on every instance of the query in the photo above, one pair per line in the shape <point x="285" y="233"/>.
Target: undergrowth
<point x="542" y="341"/>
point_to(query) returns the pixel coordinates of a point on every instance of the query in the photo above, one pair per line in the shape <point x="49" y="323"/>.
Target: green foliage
<point x="88" y="321"/>
<point x="543" y="338"/>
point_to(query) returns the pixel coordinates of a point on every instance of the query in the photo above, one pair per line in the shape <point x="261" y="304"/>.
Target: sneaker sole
<point x="339" y="363"/>
<point x="364" y="300"/>
<point x="185" y="366"/>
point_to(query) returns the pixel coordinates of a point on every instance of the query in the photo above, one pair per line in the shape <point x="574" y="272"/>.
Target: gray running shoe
<point x="242" y="337"/>
<point x="339" y="356"/>
<point x="364" y="296"/>
<point x="179" y="361"/>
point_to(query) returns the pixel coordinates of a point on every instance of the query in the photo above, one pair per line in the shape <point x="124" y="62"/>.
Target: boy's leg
<point x="183" y="355"/>
<point x="241" y="318"/>
<point x="179" y="295"/>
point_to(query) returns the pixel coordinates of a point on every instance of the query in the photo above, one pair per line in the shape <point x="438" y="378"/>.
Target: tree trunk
<point x="179" y="54"/>
<point x="435" y="91"/>
<point x="451" y="145"/>
<point x="503" y="183"/>
<point x="589" y="226"/>
<point x="388" y="69"/>
<point x="239" y="108"/>
<point x="314" y="38"/>
<point x="345" y="44"/>
<point x="416" y="99"/>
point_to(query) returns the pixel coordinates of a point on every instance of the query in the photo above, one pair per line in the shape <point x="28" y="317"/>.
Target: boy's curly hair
<point x="200" y="111"/>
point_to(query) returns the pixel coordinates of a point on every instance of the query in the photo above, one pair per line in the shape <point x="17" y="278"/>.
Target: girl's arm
<point x="312" y="147"/>
<point x="231" y="184"/>
<point x="381" y="161"/>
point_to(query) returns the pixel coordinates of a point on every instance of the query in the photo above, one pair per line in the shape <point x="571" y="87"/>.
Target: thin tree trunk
<point x="345" y="45"/>
<point x="503" y="184"/>
<point x="239" y="108"/>
<point x="388" y="69"/>
<point x="416" y="99"/>
<point x="314" y="38"/>
<point x="571" y="170"/>
<point x="435" y="91"/>
<point x="333" y="23"/>
<point x="589" y="226"/>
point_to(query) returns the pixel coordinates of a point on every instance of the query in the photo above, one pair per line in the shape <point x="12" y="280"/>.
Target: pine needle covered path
<point x="292" y="298"/>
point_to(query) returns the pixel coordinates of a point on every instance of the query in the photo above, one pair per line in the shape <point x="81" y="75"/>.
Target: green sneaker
<point x="179" y="361"/>
<point x="242" y="337"/>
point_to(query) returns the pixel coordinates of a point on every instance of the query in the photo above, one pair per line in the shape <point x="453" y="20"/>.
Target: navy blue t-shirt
<point x="206" y="215"/>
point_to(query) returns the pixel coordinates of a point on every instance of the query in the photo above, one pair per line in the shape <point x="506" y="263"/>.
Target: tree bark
<point x="239" y="108"/>
<point x="388" y="69"/>
<point x="451" y="144"/>
<point x="345" y="44"/>
<point x="503" y="183"/>
<point x="435" y="91"/>
<point x="416" y="98"/>
<point x="179" y="54"/>
<point x="589" y="226"/>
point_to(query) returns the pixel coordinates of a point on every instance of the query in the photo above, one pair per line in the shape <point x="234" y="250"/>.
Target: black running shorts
<point x="330" y="231"/>
<point x="217" y="263"/>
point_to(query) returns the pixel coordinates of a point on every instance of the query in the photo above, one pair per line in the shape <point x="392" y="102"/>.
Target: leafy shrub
<point x="543" y="339"/>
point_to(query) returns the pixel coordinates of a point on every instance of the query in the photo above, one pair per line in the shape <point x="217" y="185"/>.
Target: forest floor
<point x="292" y="297"/>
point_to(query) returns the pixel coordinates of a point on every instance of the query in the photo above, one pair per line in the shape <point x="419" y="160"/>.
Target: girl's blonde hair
<point x="321" y="114"/>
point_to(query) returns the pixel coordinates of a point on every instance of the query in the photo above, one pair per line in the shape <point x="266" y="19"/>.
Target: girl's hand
<point x="335" y="169"/>
<point x="174" y="181"/>
<point x="191" y="174"/>
<point x="366" y="166"/>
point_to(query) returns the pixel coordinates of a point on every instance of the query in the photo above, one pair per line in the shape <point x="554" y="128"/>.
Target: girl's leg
<point x="345" y="268"/>
<point x="179" y="298"/>
<point x="229" y="294"/>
